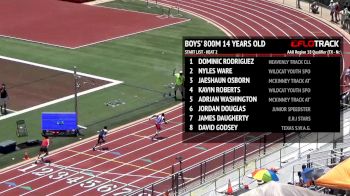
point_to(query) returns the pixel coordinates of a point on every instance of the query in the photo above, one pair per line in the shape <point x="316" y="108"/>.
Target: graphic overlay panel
<point x="262" y="85"/>
<point x="59" y="121"/>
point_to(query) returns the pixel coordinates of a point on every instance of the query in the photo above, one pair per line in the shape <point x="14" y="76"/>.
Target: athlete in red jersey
<point x="43" y="148"/>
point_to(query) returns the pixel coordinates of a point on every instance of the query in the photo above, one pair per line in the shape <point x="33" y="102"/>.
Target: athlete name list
<point x="249" y="85"/>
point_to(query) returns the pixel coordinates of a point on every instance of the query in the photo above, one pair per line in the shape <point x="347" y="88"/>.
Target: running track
<point x="77" y="170"/>
<point x="261" y="18"/>
<point x="141" y="161"/>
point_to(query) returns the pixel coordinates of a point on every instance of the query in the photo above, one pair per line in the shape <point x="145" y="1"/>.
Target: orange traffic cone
<point x="26" y="156"/>
<point x="229" y="188"/>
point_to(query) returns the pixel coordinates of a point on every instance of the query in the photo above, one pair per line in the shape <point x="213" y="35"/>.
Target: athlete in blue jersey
<point x="101" y="137"/>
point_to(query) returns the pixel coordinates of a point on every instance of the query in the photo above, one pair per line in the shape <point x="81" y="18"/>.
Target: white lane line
<point x="81" y="171"/>
<point x="235" y="10"/>
<point x="187" y="159"/>
<point x="90" y="139"/>
<point x="265" y="12"/>
<point x="193" y="5"/>
<point x="76" y="163"/>
<point x="108" y="161"/>
<point x="33" y="41"/>
<point x="218" y="8"/>
<point x="154" y="152"/>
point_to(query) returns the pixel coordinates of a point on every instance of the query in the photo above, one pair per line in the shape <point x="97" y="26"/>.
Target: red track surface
<point x="127" y="171"/>
<point x="262" y="19"/>
<point x="72" y="25"/>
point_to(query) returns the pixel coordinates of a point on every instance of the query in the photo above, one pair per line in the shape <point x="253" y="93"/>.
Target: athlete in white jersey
<point x="159" y="120"/>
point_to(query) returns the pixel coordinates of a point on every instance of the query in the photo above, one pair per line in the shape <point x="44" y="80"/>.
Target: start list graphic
<point x="262" y="85"/>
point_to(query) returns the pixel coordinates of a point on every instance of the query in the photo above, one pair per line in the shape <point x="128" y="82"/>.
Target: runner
<point x="101" y="137"/>
<point x="43" y="149"/>
<point x="159" y="120"/>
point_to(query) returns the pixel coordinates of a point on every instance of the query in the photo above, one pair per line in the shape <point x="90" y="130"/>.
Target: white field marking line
<point x="108" y="161"/>
<point x="162" y="16"/>
<point x="93" y="43"/>
<point x="266" y="14"/>
<point x="208" y="20"/>
<point x="97" y="2"/>
<point x="121" y="9"/>
<point x="261" y="18"/>
<point x="113" y="83"/>
<point x="88" y="158"/>
<point x="191" y="157"/>
<point x="80" y="126"/>
<point x="134" y="33"/>
<point x="33" y="41"/>
<point x="214" y="16"/>
<point x="206" y="6"/>
<point x="57" y="101"/>
<point x="79" y="170"/>
<point x="59" y="69"/>
<point x="10" y="110"/>
<point x="154" y="152"/>
<point x="82" y="142"/>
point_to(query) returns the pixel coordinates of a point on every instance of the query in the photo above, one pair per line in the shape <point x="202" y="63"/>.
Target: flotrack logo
<point x="303" y="43"/>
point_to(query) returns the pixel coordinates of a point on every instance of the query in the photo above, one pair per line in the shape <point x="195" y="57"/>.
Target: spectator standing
<point x="337" y="11"/>
<point x="345" y="18"/>
<point x="3" y="99"/>
<point x="300" y="179"/>
<point x="314" y="7"/>
<point x="332" y="8"/>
